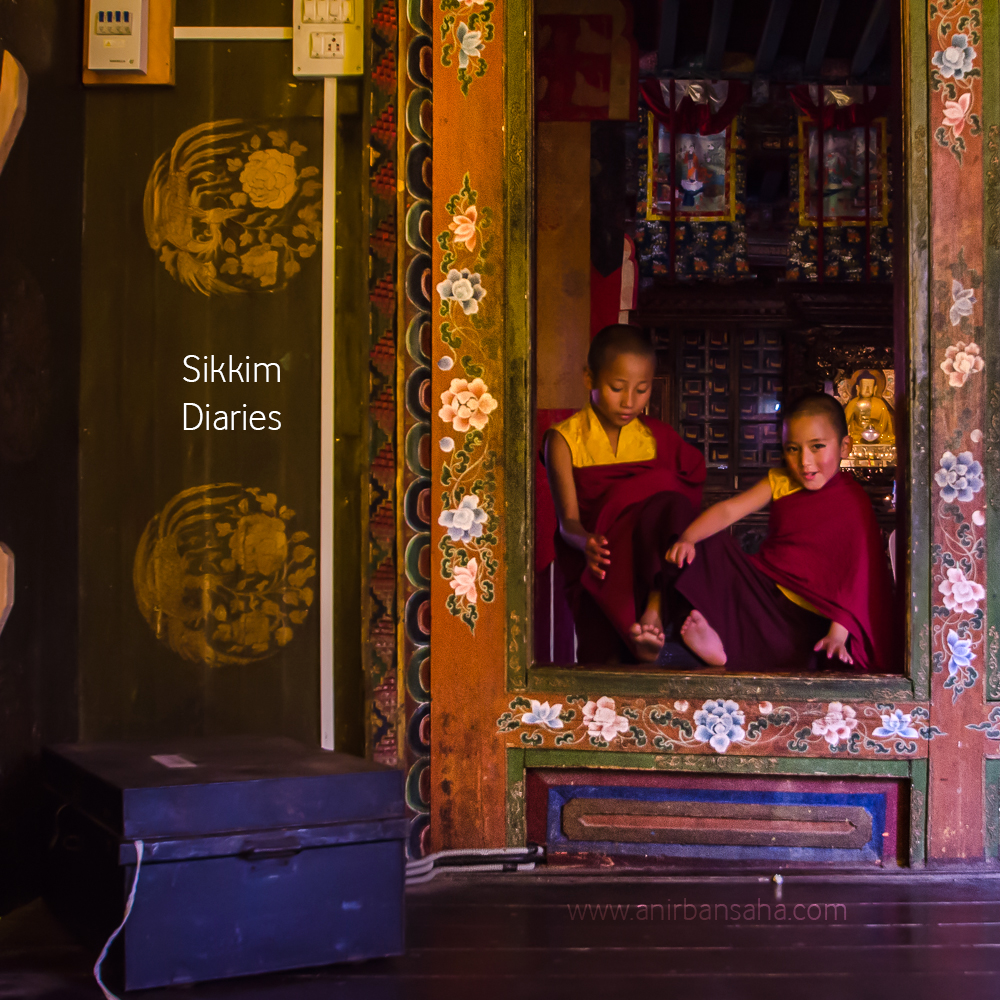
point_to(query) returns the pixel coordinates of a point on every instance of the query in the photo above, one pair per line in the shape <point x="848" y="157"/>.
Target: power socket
<point x="327" y="38"/>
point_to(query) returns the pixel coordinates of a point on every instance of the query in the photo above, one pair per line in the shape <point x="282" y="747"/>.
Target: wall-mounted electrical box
<point x="327" y="37"/>
<point x="118" y="34"/>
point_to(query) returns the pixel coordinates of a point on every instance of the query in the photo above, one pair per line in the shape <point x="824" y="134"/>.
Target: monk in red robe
<point x="625" y="485"/>
<point x="820" y="584"/>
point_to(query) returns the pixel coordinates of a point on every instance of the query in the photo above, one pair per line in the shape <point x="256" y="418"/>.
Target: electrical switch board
<point x="327" y="38"/>
<point x="118" y="33"/>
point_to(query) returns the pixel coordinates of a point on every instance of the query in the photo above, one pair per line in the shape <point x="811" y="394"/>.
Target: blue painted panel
<point x="873" y="802"/>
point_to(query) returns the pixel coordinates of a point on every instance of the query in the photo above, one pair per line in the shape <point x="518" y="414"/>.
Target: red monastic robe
<point x="610" y="498"/>
<point x="826" y="546"/>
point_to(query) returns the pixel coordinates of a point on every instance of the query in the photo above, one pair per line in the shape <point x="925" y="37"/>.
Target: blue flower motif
<point x="542" y="714"/>
<point x="956" y="60"/>
<point x="719" y="724"/>
<point x="471" y="45"/>
<point x="466" y="521"/>
<point x="961" y="652"/>
<point x="960" y="478"/>
<point x="463" y="287"/>
<point x="896" y="724"/>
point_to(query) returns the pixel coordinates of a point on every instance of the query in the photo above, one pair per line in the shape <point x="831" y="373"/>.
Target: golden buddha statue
<point x="869" y="420"/>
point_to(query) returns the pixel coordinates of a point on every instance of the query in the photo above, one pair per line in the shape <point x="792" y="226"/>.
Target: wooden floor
<point x="554" y="936"/>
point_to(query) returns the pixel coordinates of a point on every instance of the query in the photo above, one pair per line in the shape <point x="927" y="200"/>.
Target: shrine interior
<point x="678" y="189"/>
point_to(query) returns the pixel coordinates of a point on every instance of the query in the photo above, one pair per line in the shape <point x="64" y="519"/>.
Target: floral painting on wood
<point x="235" y="207"/>
<point x="468" y="474"/>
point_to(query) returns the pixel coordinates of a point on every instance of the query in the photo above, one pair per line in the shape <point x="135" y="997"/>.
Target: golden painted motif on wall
<point x="220" y="578"/>
<point x="234" y="207"/>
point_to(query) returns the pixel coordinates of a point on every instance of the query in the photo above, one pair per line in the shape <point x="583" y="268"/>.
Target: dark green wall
<point x="138" y="325"/>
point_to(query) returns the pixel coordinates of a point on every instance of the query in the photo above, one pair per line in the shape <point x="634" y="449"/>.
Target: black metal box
<point x="259" y="854"/>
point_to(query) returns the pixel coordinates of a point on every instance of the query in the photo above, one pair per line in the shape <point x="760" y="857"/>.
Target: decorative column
<point x="962" y="642"/>
<point x="468" y="414"/>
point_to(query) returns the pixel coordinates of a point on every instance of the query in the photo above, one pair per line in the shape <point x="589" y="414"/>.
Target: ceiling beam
<point x="718" y="32"/>
<point x="770" y="40"/>
<point x="667" y="50"/>
<point x="821" y="37"/>
<point x="878" y="21"/>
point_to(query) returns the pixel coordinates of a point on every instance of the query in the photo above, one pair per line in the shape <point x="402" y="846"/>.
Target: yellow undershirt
<point x="781" y="485"/>
<point x="589" y="445"/>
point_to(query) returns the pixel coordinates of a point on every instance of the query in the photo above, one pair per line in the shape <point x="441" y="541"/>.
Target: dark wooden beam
<point x="669" y="11"/>
<point x="770" y="40"/>
<point x="718" y="31"/>
<point x="878" y="21"/>
<point x="821" y="37"/>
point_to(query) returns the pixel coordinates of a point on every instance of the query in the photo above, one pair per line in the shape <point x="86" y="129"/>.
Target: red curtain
<point x="841" y="117"/>
<point x="690" y="118"/>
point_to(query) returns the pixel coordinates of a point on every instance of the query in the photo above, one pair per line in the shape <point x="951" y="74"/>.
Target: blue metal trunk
<point x="259" y="855"/>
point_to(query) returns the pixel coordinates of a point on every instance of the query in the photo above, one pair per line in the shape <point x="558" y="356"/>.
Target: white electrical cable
<point x="128" y="909"/>
<point x="523" y="859"/>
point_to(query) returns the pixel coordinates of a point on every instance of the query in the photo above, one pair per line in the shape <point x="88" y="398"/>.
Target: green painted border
<point x="990" y="115"/>
<point x="808" y="688"/>
<point x="518" y="396"/>
<point x="519" y="460"/>
<point x="722" y="764"/>
<point x="991" y="809"/>
<point x="516" y="823"/>
<point x="917" y="176"/>
<point x="919" y="771"/>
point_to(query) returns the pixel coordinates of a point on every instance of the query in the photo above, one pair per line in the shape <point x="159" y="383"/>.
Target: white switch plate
<point x="118" y="35"/>
<point x="327" y="38"/>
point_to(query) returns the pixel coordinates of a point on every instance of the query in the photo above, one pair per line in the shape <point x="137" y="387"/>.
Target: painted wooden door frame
<point x="493" y="714"/>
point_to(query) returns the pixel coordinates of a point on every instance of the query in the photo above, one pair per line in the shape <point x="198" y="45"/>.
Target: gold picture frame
<point x="699" y="197"/>
<point x="844" y="149"/>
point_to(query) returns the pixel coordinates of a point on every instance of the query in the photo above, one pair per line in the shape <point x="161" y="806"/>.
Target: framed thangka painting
<point x="844" y="202"/>
<point x="702" y="179"/>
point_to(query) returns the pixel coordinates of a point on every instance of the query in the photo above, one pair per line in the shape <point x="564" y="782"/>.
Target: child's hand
<point x="598" y="555"/>
<point x="834" y="643"/>
<point x="680" y="553"/>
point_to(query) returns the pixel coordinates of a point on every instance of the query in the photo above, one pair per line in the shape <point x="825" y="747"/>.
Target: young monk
<point x="819" y="584"/>
<point x="625" y="485"/>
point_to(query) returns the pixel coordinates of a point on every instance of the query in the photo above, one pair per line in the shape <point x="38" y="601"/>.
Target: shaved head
<point x="615" y="340"/>
<point x="819" y="404"/>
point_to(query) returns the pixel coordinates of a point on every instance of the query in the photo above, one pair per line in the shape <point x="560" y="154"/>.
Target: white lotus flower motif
<point x="962" y="301"/>
<point x="543" y="714"/>
<point x="470" y="44"/>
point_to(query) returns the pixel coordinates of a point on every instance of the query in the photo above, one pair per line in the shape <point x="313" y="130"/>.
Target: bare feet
<point x="703" y="640"/>
<point x="647" y="632"/>
<point x="647" y="641"/>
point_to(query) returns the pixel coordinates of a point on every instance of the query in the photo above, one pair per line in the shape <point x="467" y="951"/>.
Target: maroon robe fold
<point x="610" y="498"/>
<point x="823" y="545"/>
<point x="826" y="546"/>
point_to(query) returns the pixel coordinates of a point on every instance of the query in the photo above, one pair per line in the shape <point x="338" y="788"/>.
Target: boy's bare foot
<point x="703" y="640"/>
<point x="647" y="640"/>
<point x="647" y="632"/>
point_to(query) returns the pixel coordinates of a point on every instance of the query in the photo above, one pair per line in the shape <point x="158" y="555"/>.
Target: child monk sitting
<point x="625" y="485"/>
<point x="819" y="584"/>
